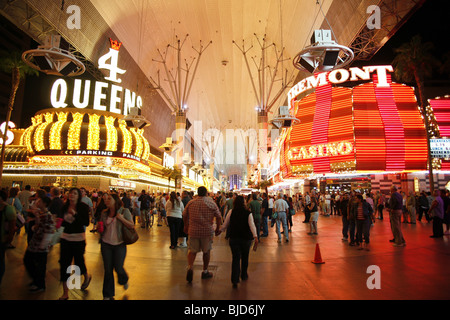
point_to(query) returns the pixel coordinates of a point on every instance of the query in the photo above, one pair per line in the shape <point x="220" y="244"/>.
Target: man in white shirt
<point x="281" y="207"/>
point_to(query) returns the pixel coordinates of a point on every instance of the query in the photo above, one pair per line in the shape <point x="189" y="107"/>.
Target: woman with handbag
<point x="73" y="239"/>
<point x="113" y="247"/>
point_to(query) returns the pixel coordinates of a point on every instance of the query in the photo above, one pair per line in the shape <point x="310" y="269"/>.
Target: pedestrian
<point x="162" y="211"/>
<point x="436" y="212"/>
<point x="242" y="231"/>
<point x="35" y="259"/>
<point x="395" y="216"/>
<point x="174" y="209"/>
<point x="73" y="239"/>
<point x="56" y="203"/>
<point x="24" y="197"/>
<point x="144" y="199"/>
<point x="363" y="212"/>
<point x="411" y="207"/>
<point x="307" y="212"/>
<point x="114" y="218"/>
<point x="351" y="218"/>
<point x="100" y="206"/>
<point x="281" y="210"/>
<point x="7" y="228"/>
<point x="265" y="213"/>
<point x="255" y="209"/>
<point x="136" y="207"/>
<point x="198" y="218"/>
<point x="380" y="205"/>
<point x="86" y="199"/>
<point x="423" y="206"/>
<point x="343" y="204"/>
<point x="291" y="212"/>
<point x="313" y="209"/>
<point x="15" y="202"/>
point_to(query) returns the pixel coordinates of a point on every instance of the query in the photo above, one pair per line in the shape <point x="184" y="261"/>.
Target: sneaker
<point x="183" y="245"/>
<point x="206" y="275"/>
<point x="189" y="275"/>
<point x="344" y="239"/>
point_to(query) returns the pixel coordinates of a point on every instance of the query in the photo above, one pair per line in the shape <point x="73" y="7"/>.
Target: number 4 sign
<point x="113" y="56"/>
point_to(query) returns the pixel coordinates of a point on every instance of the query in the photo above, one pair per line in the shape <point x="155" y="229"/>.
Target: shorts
<point x="314" y="216"/>
<point x="200" y="244"/>
<point x="163" y="213"/>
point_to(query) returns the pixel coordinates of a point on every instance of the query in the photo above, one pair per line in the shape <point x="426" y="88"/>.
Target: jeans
<point x="71" y="250"/>
<point x="240" y="250"/>
<point x="363" y="229"/>
<point x="36" y="266"/>
<point x="258" y="226"/>
<point x="113" y="259"/>
<point x="265" y="226"/>
<point x="352" y="226"/>
<point x="282" y="219"/>
<point x="175" y="229"/>
<point x="345" y="225"/>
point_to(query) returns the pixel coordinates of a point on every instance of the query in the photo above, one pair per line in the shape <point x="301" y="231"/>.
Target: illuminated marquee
<point x="322" y="150"/>
<point x="375" y="126"/>
<point x="107" y="96"/>
<point x="339" y="76"/>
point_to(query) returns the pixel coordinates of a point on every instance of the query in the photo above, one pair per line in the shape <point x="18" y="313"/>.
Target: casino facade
<point x="366" y="137"/>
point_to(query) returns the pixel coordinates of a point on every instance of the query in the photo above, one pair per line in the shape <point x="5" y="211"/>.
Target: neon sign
<point x="368" y="128"/>
<point x="322" y="150"/>
<point x="107" y="96"/>
<point x="9" y="135"/>
<point x="339" y="76"/>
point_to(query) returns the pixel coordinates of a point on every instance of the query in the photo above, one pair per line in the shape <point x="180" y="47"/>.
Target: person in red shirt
<point x="198" y="218"/>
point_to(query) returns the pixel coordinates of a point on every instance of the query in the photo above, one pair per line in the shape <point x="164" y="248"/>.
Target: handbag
<point x="129" y="236"/>
<point x="274" y="215"/>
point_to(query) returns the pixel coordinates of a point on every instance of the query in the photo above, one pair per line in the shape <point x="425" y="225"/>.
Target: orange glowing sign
<point x="370" y="127"/>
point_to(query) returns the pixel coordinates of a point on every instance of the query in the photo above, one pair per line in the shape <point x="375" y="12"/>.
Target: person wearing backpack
<point x="7" y="228"/>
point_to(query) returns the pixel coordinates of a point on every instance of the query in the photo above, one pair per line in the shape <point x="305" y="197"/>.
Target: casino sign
<point x="373" y="127"/>
<point x="85" y="133"/>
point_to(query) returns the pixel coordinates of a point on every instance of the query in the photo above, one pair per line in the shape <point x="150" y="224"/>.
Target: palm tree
<point x="172" y="173"/>
<point x="11" y="62"/>
<point x="414" y="62"/>
<point x="264" y="184"/>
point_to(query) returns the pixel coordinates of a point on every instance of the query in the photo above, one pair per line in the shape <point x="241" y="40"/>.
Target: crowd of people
<point x="52" y="215"/>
